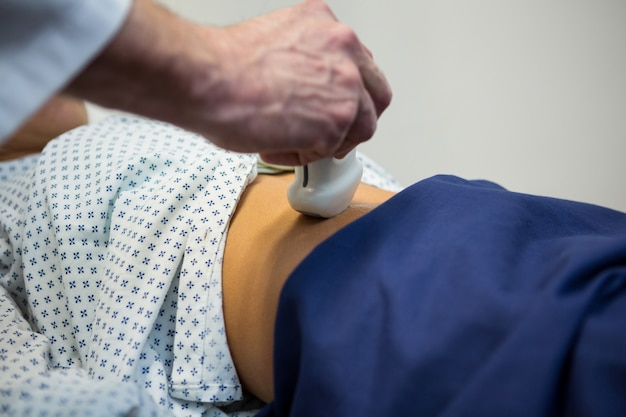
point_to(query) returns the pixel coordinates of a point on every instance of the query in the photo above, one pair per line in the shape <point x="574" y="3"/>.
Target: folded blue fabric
<point x="458" y="298"/>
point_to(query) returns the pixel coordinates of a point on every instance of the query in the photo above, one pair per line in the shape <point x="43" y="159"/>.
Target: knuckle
<point x="384" y="99"/>
<point x="345" y="114"/>
<point x="320" y="6"/>
<point x="323" y="147"/>
<point x="351" y="74"/>
<point x="343" y="122"/>
<point x="364" y="129"/>
<point x="344" y="35"/>
<point x="369" y="128"/>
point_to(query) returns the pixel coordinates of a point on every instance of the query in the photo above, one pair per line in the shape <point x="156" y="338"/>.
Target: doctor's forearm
<point x="150" y="67"/>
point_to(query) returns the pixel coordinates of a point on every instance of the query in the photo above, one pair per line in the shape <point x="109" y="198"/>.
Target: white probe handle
<point x="325" y="188"/>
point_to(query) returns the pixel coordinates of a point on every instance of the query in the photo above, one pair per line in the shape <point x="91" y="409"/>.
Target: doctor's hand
<point x="295" y="85"/>
<point x="302" y="86"/>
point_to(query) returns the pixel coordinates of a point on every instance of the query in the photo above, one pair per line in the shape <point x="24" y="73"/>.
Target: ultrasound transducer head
<point x="326" y="187"/>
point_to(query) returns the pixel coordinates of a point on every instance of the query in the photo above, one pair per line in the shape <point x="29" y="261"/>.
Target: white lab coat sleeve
<point x="44" y="44"/>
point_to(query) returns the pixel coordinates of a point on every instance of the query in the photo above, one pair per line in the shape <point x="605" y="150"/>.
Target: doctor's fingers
<point x="371" y="75"/>
<point x="374" y="81"/>
<point x="289" y="158"/>
<point x="346" y="39"/>
<point x="373" y="78"/>
<point x="363" y="126"/>
<point x="361" y="130"/>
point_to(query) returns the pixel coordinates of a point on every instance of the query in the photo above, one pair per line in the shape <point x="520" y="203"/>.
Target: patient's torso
<point x="273" y="239"/>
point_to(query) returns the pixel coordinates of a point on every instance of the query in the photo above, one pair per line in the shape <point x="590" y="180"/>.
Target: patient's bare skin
<point x="57" y="116"/>
<point x="267" y="239"/>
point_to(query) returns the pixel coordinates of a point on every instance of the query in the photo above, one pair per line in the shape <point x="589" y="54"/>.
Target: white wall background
<point x="529" y="93"/>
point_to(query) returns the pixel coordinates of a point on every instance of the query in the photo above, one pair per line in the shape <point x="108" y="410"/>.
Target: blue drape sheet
<point x="458" y="298"/>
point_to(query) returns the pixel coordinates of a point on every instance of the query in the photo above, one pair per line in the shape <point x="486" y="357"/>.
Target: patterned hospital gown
<point x="111" y="246"/>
